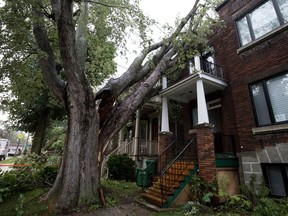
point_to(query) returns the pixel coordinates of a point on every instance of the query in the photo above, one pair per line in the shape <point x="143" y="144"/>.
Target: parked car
<point x="4" y="148"/>
<point x="14" y="151"/>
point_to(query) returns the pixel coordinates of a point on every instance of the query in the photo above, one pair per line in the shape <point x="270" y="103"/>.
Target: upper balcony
<point x="181" y="84"/>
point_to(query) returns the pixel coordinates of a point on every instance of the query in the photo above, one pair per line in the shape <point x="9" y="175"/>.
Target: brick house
<point x="255" y="104"/>
<point x="234" y="107"/>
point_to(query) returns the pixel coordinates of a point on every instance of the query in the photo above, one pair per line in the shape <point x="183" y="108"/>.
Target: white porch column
<point x="197" y="63"/>
<point x="150" y="136"/>
<point x="164" y="82"/>
<point x="201" y="103"/>
<point x="137" y="131"/>
<point x="165" y="115"/>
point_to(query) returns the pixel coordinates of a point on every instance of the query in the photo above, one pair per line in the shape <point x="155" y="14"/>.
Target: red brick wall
<point x="206" y="153"/>
<point x="255" y="63"/>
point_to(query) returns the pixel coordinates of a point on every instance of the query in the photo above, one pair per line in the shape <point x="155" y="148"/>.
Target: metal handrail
<point x="160" y="155"/>
<point x="170" y="165"/>
<point x="176" y="158"/>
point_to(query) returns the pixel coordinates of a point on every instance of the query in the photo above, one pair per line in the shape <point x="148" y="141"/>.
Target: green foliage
<point x="202" y="191"/>
<point x="270" y="207"/>
<point x="39" y="162"/>
<point x="255" y="201"/>
<point x="196" y="208"/>
<point x="41" y="173"/>
<point x="254" y="192"/>
<point x="121" y="167"/>
<point x="239" y="202"/>
<point x="19" y="205"/>
<point x="28" y="204"/>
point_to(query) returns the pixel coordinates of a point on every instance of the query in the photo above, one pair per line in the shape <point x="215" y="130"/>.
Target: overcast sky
<point x="166" y="10"/>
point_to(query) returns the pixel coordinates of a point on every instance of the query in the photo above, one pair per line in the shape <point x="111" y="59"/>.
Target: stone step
<point x="154" y="200"/>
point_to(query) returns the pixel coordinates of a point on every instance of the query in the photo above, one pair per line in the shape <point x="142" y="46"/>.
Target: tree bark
<point x="77" y="182"/>
<point x="40" y="131"/>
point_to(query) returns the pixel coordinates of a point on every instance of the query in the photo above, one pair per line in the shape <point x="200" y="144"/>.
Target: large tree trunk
<point x="40" y="132"/>
<point x="78" y="180"/>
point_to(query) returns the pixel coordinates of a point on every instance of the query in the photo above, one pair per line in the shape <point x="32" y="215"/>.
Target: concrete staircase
<point x="165" y="189"/>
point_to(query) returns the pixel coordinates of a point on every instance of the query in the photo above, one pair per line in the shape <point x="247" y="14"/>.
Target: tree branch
<point x="47" y="59"/>
<point x="136" y="72"/>
<point x="104" y="4"/>
<point x="119" y="115"/>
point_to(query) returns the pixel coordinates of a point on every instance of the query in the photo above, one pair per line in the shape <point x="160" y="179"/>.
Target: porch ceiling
<point x="185" y="90"/>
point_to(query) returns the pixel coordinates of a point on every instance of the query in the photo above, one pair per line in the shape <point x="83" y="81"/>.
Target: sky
<point x="163" y="11"/>
<point x="166" y="11"/>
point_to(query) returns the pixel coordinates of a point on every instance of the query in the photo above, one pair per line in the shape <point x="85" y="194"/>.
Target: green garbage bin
<point x="142" y="178"/>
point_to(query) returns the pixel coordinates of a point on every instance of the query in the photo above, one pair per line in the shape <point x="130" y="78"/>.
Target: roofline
<point x="221" y="5"/>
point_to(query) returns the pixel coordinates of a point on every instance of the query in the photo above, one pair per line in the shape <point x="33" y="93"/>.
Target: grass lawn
<point x="25" y="204"/>
<point x="116" y="192"/>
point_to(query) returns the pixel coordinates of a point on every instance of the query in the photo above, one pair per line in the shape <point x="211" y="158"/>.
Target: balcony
<point x="181" y="84"/>
<point x="208" y="68"/>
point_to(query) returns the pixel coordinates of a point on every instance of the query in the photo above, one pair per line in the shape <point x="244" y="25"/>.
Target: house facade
<point x="232" y="101"/>
<point x="253" y="50"/>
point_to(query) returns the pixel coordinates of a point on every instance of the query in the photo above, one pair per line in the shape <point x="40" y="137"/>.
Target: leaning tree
<point x="59" y="32"/>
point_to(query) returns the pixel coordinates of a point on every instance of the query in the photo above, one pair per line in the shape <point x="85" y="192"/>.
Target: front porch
<point x="209" y="153"/>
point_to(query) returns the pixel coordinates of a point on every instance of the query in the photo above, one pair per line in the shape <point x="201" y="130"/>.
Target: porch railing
<point x="207" y="67"/>
<point x="225" y="144"/>
<point x="148" y="148"/>
<point x="168" y="155"/>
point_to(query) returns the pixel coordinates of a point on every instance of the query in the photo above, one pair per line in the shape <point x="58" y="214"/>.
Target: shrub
<point x="202" y="191"/>
<point x="41" y="173"/>
<point x="121" y="167"/>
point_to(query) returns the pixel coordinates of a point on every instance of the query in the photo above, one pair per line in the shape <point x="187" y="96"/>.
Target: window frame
<point x="249" y="22"/>
<point x="268" y="100"/>
<point x="284" y="173"/>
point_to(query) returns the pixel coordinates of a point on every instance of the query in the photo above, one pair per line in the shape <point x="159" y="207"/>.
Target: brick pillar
<point x="206" y="152"/>
<point x="164" y="141"/>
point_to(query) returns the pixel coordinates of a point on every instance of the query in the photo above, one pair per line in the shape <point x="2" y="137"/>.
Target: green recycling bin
<point x="142" y="178"/>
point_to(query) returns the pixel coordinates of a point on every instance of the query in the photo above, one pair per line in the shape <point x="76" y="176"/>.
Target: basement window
<point x="276" y="176"/>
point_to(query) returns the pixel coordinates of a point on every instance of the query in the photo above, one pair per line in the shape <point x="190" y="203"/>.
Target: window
<point x="276" y="178"/>
<point x="270" y="100"/>
<point x="262" y="20"/>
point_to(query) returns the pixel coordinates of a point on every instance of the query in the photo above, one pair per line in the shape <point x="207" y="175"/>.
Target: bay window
<point x="270" y="100"/>
<point x="262" y="20"/>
